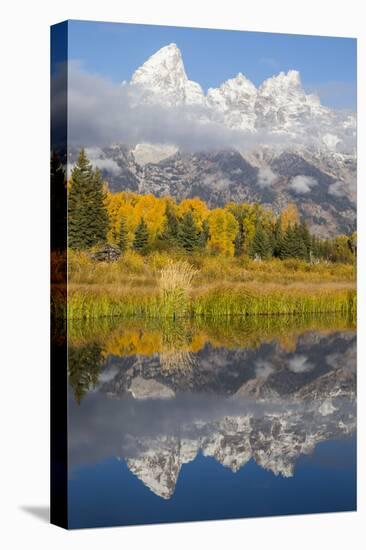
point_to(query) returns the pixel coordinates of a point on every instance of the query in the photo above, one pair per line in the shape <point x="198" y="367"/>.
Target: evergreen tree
<point x="326" y="249"/>
<point x="87" y="215"/>
<point x="140" y="243"/>
<point x="352" y="243"/>
<point x="84" y="366"/>
<point x="306" y="238"/>
<point x="271" y="239"/>
<point x="58" y="204"/>
<point x="205" y="233"/>
<point x="123" y="235"/>
<point x="171" y="228"/>
<point x="239" y="240"/>
<point x="189" y="236"/>
<point x="277" y="238"/>
<point x="313" y="248"/>
<point x="293" y="245"/>
<point x="101" y="220"/>
<point x="288" y="244"/>
<point x="260" y="246"/>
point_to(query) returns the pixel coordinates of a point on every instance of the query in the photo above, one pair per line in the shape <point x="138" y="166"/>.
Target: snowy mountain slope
<point x="307" y="402"/>
<point x="163" y="79"/>
<point x="271" y="404"/>
<point x="278" y="106"/>
<point x="292" y="148"/>
<point x="274" y="441"/>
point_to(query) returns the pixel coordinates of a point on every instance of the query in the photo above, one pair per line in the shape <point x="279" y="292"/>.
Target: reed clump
<point x="219" y="301"/>
<point x="175" y="283"/>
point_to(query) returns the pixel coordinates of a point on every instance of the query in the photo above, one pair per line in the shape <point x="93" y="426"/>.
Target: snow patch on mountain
<point x="148" y="152"/>
<point x="164" y="79"/>
<point x="278" y="106"/>
<point x="266" y="177"/>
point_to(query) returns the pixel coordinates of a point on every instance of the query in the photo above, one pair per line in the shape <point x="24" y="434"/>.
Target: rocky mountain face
<point x="284" y="145"/>
<point x="270" y="405"/>
<point x="275" y="441"/>
<point x="163" y="79"/>
<point x="279" y="105"/>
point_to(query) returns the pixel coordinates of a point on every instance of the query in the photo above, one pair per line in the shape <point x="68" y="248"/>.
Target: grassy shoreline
<point x="88" y="303"/>
<point x="168" y="286"/>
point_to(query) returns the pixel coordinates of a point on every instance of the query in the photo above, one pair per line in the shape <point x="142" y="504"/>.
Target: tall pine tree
<point x="204" y="235"/>
<point x="58" y="204"/>
<point x="87" y="214"/>
<point x="123" y="235"/>
<point x="260" y="246"/>
<point x="141" y="240"/>
<point x="239" y="240"/>
<point x="189" y="236"/>
<point x="293" y="245"/>
<point x="306" y="238"/>
<point x="171" y="227"/>
<point x="277" y="238"/>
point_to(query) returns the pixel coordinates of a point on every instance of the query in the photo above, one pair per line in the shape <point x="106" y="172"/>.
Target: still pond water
<point x="184" y="422"/>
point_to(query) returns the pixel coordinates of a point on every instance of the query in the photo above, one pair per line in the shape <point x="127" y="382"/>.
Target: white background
<point x="24" y="231"/>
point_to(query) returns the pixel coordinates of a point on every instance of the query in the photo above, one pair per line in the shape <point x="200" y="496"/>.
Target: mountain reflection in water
<point x="158" y="398"/>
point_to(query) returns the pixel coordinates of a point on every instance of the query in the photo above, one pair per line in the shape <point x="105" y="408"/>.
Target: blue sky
<point x="115" y="50"/>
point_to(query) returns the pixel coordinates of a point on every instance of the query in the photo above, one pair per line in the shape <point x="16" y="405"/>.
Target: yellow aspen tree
<point x="289" y="216"/>
<point x="198" y="207"/>
<point x="223" y="228"/>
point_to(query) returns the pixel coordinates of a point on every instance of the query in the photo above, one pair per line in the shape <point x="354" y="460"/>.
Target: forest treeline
<point x="146" y="223"/>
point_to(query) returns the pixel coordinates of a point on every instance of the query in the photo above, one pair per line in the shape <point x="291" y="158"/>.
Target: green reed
<point x="218" y="302"/>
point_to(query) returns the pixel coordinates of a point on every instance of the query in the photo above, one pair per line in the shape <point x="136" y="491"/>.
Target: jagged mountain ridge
<point x="275" y="441"/>
<point x="279" y="105"/>
<point x="307" y="396"/>
<point x="271" y="403"/>
<point x="321" y="410"/>
<point x="294" y="137"/>
<point x="262" y="176"/>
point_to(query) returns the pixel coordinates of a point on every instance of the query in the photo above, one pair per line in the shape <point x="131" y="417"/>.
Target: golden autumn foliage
<point x="289" y="216"/>
<point x="147" y="338"/>
<point x="198" y="207"/>
<point x="223" y="228"/>
<point x="226" y="231"/>
<point x="222" y="222"/>
<point x="132" y="207"/>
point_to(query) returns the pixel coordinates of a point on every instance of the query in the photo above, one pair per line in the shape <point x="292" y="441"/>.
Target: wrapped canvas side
<point x="58" y="275"/>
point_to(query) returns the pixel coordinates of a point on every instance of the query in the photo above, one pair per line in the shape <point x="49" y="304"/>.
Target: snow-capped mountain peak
<point x="283" y="81"/>
<point x="280" y="105"/>
<point x="270" y="134"/>
<point x="164" y="62"/>
<point x="164" y="80"/>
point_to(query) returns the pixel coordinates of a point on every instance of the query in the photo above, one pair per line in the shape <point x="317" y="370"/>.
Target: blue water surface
<point x="108" y="494"/>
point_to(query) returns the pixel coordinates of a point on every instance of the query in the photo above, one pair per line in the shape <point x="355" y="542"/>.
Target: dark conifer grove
<point x="87" y="214"/>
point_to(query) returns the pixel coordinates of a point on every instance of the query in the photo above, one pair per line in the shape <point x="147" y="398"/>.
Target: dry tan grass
<point x="159" y="286"/>
<point x="176" y="276"/>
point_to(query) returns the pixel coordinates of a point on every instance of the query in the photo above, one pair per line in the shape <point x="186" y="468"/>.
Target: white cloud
<point x="266" y="177"/>
<point x="303" y="184"/>
<point x="96" y="157"/>
<point x="337" y="189"/>
<point x="263" y="369"/>
<point x="299" y="364"/>
<point x="215" y="183"/>
<point x="101" y="112"/>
